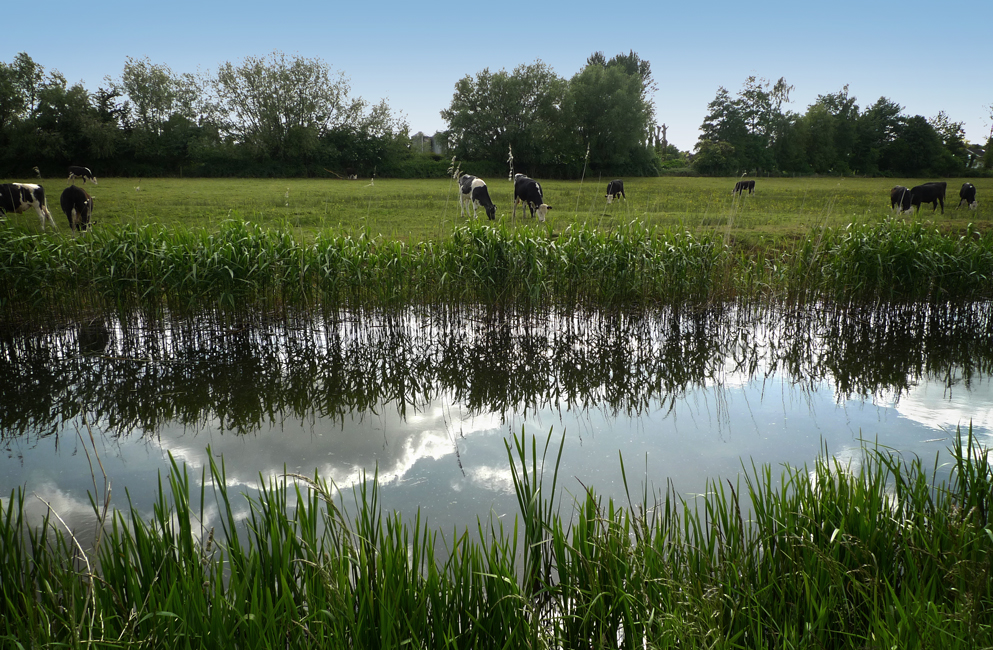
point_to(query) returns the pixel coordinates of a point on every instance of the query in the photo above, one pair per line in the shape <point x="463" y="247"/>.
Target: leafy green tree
<point x="606" y="106"/>
<point x="876" y="130"/>
<point x="751" y="123"/>
<point x="955" y="156"/>
<point x="495" y="112"/>
<point x="917" y="151"/>
<point x="830" y="125"/>
<point x="274" y="105"/>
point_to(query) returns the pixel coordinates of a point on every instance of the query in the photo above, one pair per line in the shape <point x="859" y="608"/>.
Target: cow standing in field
<point x="741" y="186"/>
<point x="18" y="197"/>
<point x="473" y="190"/>
<point x="967" y="194"/>
<point x="81" y="172"/>
<point x="528" y="191"/>
<point x="933" y="193"/>
<point x="465" y="192"/>
<point x="900" y="196"/>
<point x="615" y="190"/>
<point x="78" y="206"/>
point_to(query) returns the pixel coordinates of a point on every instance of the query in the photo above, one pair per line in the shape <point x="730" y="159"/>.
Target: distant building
<point x="435" y="144"/>
<point x="976" y="155"/>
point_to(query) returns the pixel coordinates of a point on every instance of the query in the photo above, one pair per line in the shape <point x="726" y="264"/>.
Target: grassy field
<point x="781" y="210"/>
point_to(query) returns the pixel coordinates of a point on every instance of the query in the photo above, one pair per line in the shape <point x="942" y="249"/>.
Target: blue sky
<point x="926" y="57"/>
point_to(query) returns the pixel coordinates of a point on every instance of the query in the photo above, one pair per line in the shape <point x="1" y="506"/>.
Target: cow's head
<point x="541" y="211"/>
<point x="610" y="199"/>
<point x="491" y="211"/>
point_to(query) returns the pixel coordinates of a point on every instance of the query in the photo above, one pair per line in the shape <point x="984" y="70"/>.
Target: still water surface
<point x="428" y="398"/>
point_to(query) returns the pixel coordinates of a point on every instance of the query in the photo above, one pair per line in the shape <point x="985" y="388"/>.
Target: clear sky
<point x="926" y="57"/>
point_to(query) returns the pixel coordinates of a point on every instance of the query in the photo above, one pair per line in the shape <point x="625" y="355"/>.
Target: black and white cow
<point x="473" y="190"/>
<point x="465" y="192"/>
<point x="18" y="197"/>
<point x="900" y="196"/>
<point x="81" y="172"/>
<point x="78" y="206"/>
<point x="741" y="186"/>
<point x="967" y="194"/>
<point x="615" y="190"/>
<point x="528" y="191"/>
<point x="933" y="193"/>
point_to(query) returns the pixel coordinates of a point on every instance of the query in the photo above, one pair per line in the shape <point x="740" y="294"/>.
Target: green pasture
<point x="781" y="210"/>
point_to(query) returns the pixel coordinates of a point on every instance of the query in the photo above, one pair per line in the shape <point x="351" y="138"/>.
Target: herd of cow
<point x="75" y="201"/>
<point x="933" y="193"/>
<point x="78" y="204"/>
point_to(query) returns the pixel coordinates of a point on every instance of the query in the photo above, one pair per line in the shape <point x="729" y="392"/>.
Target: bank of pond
<point x="243" y="268"/>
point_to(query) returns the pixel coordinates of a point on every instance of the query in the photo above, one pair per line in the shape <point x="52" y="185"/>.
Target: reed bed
<point x="244" y="269"/>
<point x="886" y="552"/>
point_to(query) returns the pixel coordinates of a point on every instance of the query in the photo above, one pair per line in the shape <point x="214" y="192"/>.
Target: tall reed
<point x="886" y="552"/>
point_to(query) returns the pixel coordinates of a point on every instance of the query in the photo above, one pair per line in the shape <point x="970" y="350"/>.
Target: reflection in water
<point x="427" y="396"/>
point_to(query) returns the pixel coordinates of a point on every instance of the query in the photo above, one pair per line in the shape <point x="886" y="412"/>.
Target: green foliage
<point x="837" y="555"/>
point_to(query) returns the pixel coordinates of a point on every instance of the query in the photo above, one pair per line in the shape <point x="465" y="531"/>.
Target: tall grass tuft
<point x="876" y="553"/>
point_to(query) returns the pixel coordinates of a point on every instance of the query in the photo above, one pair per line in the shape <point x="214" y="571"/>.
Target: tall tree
<point x="606" y="106"/>
<point x="271" y="102"/>
<point x="494" y="112"/>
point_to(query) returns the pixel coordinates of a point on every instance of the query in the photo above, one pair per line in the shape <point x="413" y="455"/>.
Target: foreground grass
<point x="246" y="269"/>
<point x="781" y="211"/>
<point x="877" y="554"/>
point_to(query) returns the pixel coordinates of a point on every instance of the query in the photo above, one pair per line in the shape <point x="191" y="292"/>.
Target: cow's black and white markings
<point x="465" y="192"/>
<point x="528" y="191"/>
<point x="81" y="172"/>
<point x="18" y="197"/>
<point x="615" y="190"/>
<point x="741" y="186"/>
<point x="900" y="196"/>
<point x="933" y="193"/>
<point x="479" y="196"/>
<point x="78" y="206"/>
<point x="967" y="194"/>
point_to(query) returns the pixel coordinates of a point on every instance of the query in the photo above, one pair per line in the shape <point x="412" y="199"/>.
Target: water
<point x="426" y="400"/>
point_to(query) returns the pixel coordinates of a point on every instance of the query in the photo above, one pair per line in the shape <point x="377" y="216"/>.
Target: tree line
<point x="293" y="116"/>
<point x="753" y="132"/>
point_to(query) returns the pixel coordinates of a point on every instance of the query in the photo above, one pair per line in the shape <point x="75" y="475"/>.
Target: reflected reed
<point x="135" y="375"/>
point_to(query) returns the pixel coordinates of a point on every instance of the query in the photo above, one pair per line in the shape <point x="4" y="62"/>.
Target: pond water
<point x="428" y="398"/>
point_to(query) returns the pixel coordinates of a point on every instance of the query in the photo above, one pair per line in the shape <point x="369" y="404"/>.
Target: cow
<point x="933" y="193"/>
<point x="967" y="194"/>
<point x="78" y="206"/>
<point x="900" y="196"/>
<point x="81" y="172"/>
<point x="473" y="190"/>
<point x="465" y="191"/>
<point x="18" y="197"/>
<point x="741" y="186"/>
<point x="528" y="191"/>
<point x="615" y="189"/>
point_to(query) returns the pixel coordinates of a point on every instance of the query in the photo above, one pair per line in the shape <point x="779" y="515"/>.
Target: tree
<point x="269" y="102"/>
<point x="751" y="123"/>
<point x="492" y="113"/>
<point x="606" y="107"/>
<point x="876" y="129"/>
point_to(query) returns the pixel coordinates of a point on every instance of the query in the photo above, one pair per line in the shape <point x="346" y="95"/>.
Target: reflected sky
<point x="441" y="445"/>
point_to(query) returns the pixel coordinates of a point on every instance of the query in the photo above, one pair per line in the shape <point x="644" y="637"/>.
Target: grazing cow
<point x="477" y="195"/>
<point x="741" y="186"/>
<point x="933" y="193"/>
<point x="78" y="206"/>
<point x="528" y="191"/>
<point x="18" y="197"/>
<point x="615" y="189"/>
<point x="967" y="194"/>
<point x="465" y="191"/>
<point x="81" y="172"/>
<point x="900" y="196"/>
